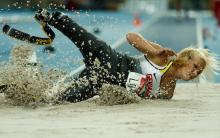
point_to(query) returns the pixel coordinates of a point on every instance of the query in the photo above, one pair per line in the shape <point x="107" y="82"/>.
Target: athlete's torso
<point x="146" y="84"/>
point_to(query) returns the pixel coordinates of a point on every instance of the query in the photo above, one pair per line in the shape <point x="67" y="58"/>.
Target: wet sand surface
<point x="193" y="112"/>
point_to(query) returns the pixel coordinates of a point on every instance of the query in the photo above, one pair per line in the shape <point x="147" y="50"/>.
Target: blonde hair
<point x="212" y="65"/>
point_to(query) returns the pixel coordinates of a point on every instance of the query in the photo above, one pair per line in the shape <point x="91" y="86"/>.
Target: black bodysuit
<point x="103" y="64"/>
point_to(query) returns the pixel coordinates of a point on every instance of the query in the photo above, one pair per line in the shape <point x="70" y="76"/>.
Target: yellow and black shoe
<point x="42" y="16"/>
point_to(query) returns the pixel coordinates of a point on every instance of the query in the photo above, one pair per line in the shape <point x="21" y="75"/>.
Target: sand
<point x="26" y="110"/>
<point x="116" y="95"/>
<point x="26" y="80"/>
<point x="193" y="112"/>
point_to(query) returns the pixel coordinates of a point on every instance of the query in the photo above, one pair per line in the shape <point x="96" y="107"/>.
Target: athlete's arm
<point x="167" y="95"/>
<point x="153" y="51"/>
<point x="167" y="88"/>
<point x="141" y="44"/>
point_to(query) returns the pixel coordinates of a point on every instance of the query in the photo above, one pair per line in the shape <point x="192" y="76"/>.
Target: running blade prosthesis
<point x="20" y="35"/>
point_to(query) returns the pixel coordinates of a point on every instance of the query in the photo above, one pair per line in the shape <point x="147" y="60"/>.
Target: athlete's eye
<point x="189" y="57"/>
<point x="196" y="66"/>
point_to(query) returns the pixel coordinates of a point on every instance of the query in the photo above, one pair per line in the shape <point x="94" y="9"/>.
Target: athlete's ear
<point x="179" y="63"/>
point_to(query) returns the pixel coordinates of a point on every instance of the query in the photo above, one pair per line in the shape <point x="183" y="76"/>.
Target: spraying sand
<point x="25" y="82"/>
<point x="116" y="95"/>
<point x="27" y="85"/>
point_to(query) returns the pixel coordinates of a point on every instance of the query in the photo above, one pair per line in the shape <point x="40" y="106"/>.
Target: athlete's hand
<point x="165" y="54"/>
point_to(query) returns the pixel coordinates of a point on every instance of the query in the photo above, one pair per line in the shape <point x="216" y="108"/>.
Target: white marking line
<point x="117" y="44"/>
<point x="199" y="35"/>
<point x="199" y="32"/>
<point x="16" y="19"/>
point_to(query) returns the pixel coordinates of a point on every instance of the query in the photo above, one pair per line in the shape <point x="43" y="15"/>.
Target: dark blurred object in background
<point x="61" y="4"/>
<point x="216" y="10"/>
<point x="99" y="4"/>
<point x="93" y="4"/>
<point x="96" y="30"/>
<point x="189" y="4"/>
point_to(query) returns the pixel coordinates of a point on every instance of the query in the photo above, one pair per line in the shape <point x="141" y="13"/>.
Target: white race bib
<point x="134" y="81"/>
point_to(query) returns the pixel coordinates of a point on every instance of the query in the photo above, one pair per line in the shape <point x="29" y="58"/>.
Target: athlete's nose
<point x="194" y="73"/>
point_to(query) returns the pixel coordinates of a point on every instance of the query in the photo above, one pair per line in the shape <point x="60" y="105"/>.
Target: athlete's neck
<point x="170" y="73"/>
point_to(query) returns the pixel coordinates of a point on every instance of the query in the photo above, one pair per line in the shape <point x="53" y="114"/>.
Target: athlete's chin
<point x="187" y="78"/>
<point x="184" y="79"/>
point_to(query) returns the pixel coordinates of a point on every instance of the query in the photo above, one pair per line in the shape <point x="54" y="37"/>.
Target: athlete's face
<point x="192" y="69"/>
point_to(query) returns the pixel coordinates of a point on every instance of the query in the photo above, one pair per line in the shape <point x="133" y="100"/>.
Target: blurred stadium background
<point x="172" y="23"/>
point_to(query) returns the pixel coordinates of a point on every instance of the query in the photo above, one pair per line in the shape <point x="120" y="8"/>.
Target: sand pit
<point x="191" y="113"/>
<point x="116" y="95"/>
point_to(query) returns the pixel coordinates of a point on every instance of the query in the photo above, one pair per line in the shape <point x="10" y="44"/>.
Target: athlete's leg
<point x="116" y="66"/>
<point x="114" y="63"/>
<point x="85" y="41"/>
<point x="90" y="81"/>
<point x="81" y="89"/>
